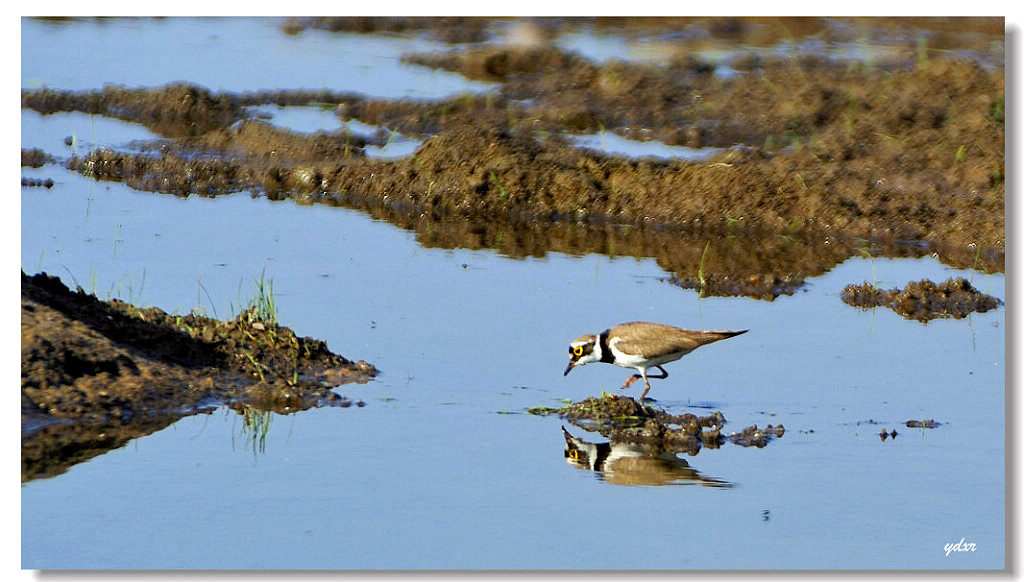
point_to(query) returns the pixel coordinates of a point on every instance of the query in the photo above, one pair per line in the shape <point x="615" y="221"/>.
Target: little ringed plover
<point x="640" y="345"/>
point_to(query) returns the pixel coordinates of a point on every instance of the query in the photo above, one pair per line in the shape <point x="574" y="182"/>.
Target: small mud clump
<point x="757" y="437"/>
<point x="923" y="300"/>
<point x="930" y="423"/>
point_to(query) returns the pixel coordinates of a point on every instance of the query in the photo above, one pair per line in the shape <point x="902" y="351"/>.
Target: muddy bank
<point x="820" y="158"/>
<point x="923" y="300"/>
<point x="95" y="374"/>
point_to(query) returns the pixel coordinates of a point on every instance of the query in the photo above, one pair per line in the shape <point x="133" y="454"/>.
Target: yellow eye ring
<point x="578" y="350"/>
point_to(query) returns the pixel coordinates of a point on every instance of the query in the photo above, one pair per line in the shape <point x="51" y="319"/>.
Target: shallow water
<point x="226" y="54"/>
<point x="443" y="468"/>
<point x="614" y="144"/>
<point x="306" y="119"/>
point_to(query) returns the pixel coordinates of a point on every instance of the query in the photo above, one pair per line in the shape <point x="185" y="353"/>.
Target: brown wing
<point x="659" y="339"/>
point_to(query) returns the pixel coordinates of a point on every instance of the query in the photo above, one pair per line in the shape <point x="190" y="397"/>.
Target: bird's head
<point x="583" y="350"/>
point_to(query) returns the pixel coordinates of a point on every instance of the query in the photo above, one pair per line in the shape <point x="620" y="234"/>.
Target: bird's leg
<point x="664" y="375"/>
<point x="646" y="390"/>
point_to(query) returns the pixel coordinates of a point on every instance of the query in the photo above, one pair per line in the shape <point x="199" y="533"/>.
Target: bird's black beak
<point x="569" y="368"/>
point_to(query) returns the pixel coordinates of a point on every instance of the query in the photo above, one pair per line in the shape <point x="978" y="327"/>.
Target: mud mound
<point x="177" y="110"/>
<point x="88" y="360"/>
<point x="923" y="300"/>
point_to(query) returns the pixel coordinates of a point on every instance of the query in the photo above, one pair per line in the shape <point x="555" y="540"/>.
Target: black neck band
<point x="606" y="352"/>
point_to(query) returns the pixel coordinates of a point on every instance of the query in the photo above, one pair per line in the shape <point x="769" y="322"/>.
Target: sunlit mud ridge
<point x="820" y="159"/>
<point x="97" y="373"/>
<point x="923" y="300"/>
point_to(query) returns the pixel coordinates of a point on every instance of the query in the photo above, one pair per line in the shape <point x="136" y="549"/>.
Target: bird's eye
<point x="577" y="351"/>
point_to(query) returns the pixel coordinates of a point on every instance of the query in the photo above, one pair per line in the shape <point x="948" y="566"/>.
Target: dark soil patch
<point x="923" y="300"/>
<point x="95" y="373"/>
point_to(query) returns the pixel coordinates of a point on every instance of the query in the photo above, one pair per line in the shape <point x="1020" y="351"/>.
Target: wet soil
<point x="95" y="374"/>
<point x="822" y="159"/>
<point x="923" y="300"/>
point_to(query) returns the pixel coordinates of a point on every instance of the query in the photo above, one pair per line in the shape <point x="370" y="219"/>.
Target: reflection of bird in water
<point x="640" y="345"/>
<point x="627" y="464"/>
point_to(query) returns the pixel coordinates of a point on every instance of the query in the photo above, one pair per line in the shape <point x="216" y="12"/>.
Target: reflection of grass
<point x="502" y="193"/>
<point x="256" y="426"/>
<point x="874" y="274"/>
<point x="961" y="155"/>
<point x="977" y="257"/>
<point x="117" y="238"/>
<point x="700" y="269"/>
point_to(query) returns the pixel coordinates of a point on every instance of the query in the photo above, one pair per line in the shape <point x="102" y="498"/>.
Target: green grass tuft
<point x="264" y="305"/>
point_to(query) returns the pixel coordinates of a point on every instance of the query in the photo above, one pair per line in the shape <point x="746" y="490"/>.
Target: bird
<point x="641" y="345"/>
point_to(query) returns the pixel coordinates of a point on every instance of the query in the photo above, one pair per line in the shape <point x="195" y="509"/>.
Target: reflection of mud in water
<point x="737" y="262"/>
<point x="633" y="464"/>
<point x="48" y="451"/>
